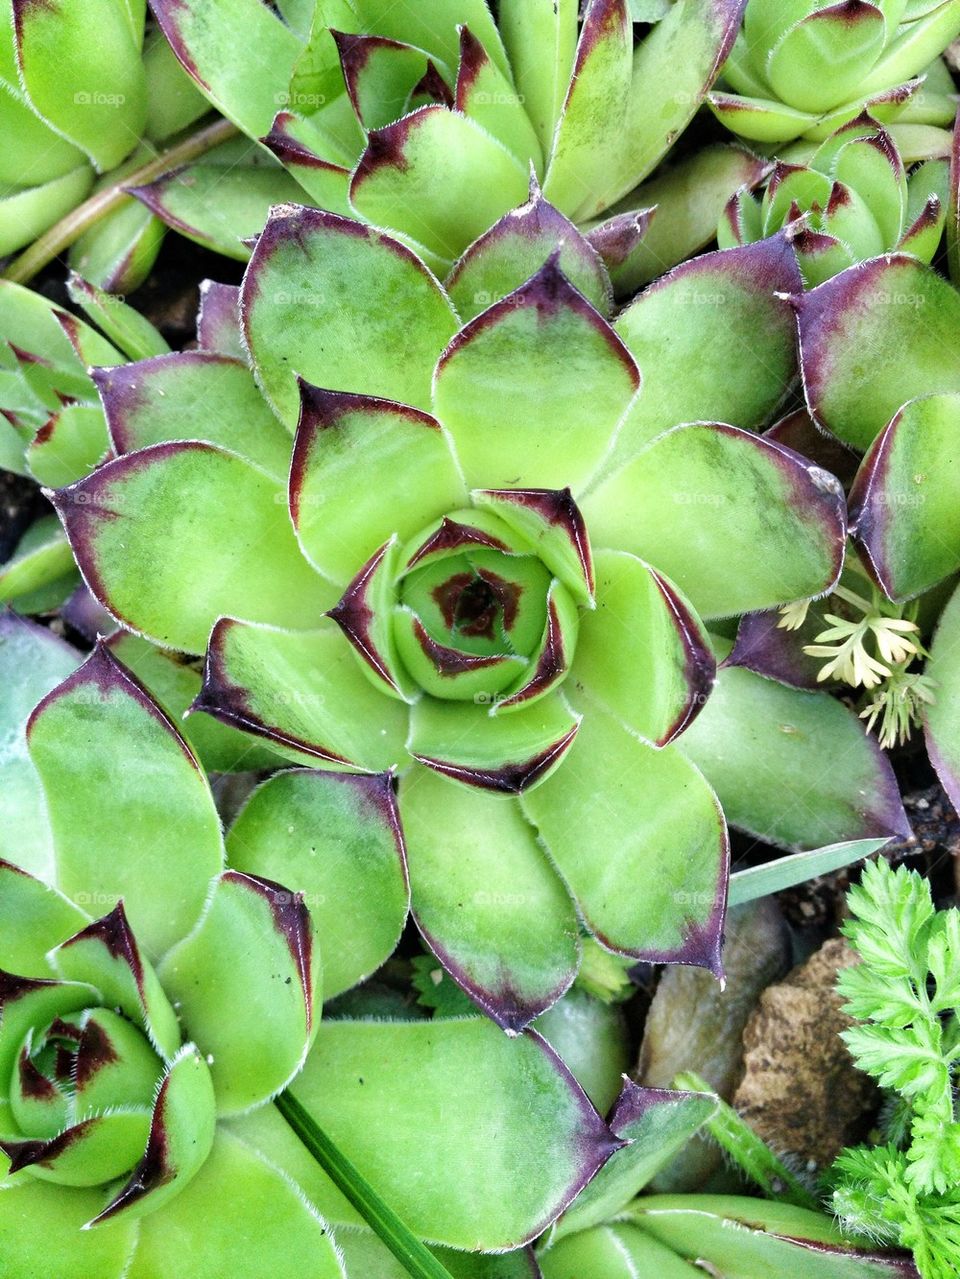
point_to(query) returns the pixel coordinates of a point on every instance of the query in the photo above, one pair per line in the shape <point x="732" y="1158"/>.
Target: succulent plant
<point x="152" y="1005"/>
<point x="802" y="68"/>
<point x="427" y="121"/>
<point x="467" y="590"/>
<point x="852" y="200"/>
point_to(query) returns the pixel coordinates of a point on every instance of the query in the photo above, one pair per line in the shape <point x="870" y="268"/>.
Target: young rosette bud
<point x="485" y="568"/>
<point x="852" y="201"/>
<point x="801" y="68"/>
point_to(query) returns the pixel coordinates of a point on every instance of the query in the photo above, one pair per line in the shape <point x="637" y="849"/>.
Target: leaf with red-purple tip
<point x="486" y="899"/>
<point x="175" y="535"/>
<point x="794" y="768"/>
<point x="692" y="333"/>
<point x="303" y="691"/>
<point x="247" y="986"/>
<point x="384" y="317"/>
<point x="511" y="753"/>
<point x="181" y="1134"/>
<point x="940" y="719"/>
<point x="643" y="654"/>
<point x="295" y="141"/>
<point x="484" y="1083"/>
<point x="487" y="95"/>
<point x="195" y="395"/>
<point x="26" y="1002"/>
<point x="334" y="837"/>
<point x="218" y="320"/>
<point x="657" y="1122"/>
<point x="482" y="180"/>
<point x="34" y="917"/>
<point x="165" y="845"/>
<point x="769" y="649"/>
<point x="874" y="337"/>
<point x="511" y="387"/>
<point x="713" y="487"/>
<point x="380" y="75"/>
<point x="629" y="801"/>
<point x="905" y="502"/>
<point x="550" y="521"/>
<point x="365" y="615"/>
<point x="363" y="470"/>
<point x="106" y="955"/>
<point x="515" y="248"/>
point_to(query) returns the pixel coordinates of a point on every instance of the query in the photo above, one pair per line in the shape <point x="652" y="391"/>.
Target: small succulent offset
<point x="853" y="199"/>
<point x="485" y="567"/>
<point x="426" y="120"/>
<point x="153" y="1002"/>
<point x="802" y="68"/>
<point x="905" y="996"/>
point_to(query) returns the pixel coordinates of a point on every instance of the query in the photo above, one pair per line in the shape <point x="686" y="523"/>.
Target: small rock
<point x="801" y="1091"/>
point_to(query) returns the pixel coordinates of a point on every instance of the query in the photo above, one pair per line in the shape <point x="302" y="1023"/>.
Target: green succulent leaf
<point x="794" y="768"/>
<point x="643" y="655"/>
<point x="68" y="445"/>
<point x="591" y="1037"/>
<point x="616" y="1251"/>
<point x="32" y="662"/>
<point x="541" y="39"/>
<point x="83" y="73"/>
<point x="244" y="77"/>
<point x="487" y="95"/>
<point x="510" y="387"/>
<point x="385" y="317"/>
<point x="218" y="320"/>
<point x="105" y="954"/>
<point x="905" y="499"/>
<point x="515" y="248"/>
<point x="238" y="1209"/>
<point x="42" y="558"/>
<point x="33" y="919"/>
<point x="117" y="252"/>
<point x="247" y="984"/>
<point x="363" y="470"/>
<point x="486" y="899"/>
<point x="131" y="332"/>
<point x="656" y="1122"/>
<point x="299" y="145"/>
<point x="334" y="838"/>
<point x="508" y="1191"/>
<point x="192" y="395"/>
<point x="943" y="668"/>
<point x="893" y="315"/>
<point x="305" y="693"/>
<point x="26" y="214"/>
<point x="695" y="503"/>
<point x="176" y="535"/>
<point x="688" y="334"/>
<point x="42" y="1232"/>
<point x="630" y="801"/>
<point x="82" y="737"/>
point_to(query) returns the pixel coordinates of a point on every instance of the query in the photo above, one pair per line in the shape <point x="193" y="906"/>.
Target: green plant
<point x="103" y="800"/>
<point x="904" y="995"/>
<point x="802" y="68"/>
<point x="427" y="120"/>
<point x="852" y="200"/>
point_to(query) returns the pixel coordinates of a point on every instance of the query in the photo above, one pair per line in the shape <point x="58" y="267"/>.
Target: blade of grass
<point x="772" y="877"/>
<point x="414" y="1256"/>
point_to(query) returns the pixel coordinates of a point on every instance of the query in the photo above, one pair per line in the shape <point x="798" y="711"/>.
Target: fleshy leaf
<point x="943" y="667"/>
<point x="32" y="662"/>
<point x="364" y="614"/>
<point x="334" y="837"/>
<point x="365" y="469"/>
<point x="247" y="984"/>
<point x="131" y="332"/>
<point x="174" y="536"/>
<point x="473" y="1190"/>
<point x="295" y="142"/>
<point x="486" y="899"/>
<point x="794" y="768"/>
<point x="192" y="395"/>
<point x="165" y="843"/>
<point x="515" y="248"/>
<point x="697" y="503"/>
<point x="380" y="75"/>
<point x="657" y="1123"/>
<point x="68" y="445"/>
<point x="26" y="1002"/>
<point x="616" y="1250"/>
<point x="481" y="181"/>
<point x="892" y="316"/>
<point x="511" y="387"/>
<point x="218" y="320"/>
<point x="905" y="503"/>
<point x="688" y="334"/>
<point x="106" y="955"/>
<point x="384" y="317"/>
<point x="627" y="802"/>
<point x="551" y="522"/>
<point x="239" y="53"/>
<point x="643" y="654"/>
<point x="33" y="919"/>
<point x="181" y="1134"/>
<point x="238" y="1209"/>
<point x="487" y="95"/>
<point x="83" y="73"/>
<point x="509" y="753"/>
<point x="584" y="151"/>
<point x="541" y="39"/>
<point x="305" y="693"/>
<point x="42" y="1232"/>
<point x="42" y="559"/>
